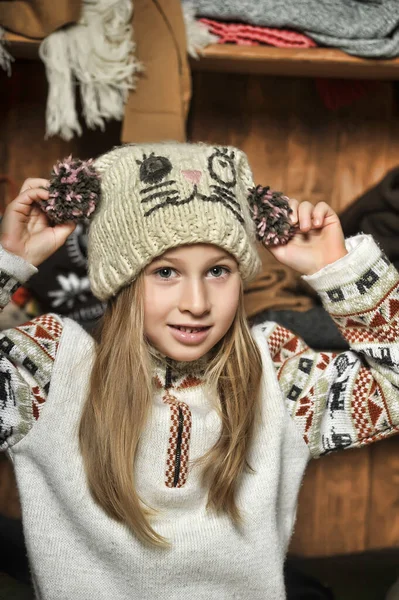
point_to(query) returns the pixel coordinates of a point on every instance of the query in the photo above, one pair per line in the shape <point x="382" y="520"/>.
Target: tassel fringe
<point x="197" y="34"/>
<point x="97" y="54"/>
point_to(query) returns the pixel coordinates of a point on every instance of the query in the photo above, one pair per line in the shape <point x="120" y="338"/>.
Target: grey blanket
<point x="368" y="28"/>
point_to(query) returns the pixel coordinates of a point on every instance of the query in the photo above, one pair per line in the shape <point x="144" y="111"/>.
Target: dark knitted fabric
<point x="360" y="27"/>
<point x="377" y="212"/>
<point x="62" y="286"/>
<point x="314" y="326"/>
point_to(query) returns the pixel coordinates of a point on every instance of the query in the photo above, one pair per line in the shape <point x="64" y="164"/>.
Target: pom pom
<point x="74" y="191"/>
<point x="270" y="211"/>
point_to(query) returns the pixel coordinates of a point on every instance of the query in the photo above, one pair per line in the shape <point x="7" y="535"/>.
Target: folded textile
<point x="359" y="27"/>
<point x="250" y="35"/>
<point x="377" y="212"/>
<point x="276" y="287"/>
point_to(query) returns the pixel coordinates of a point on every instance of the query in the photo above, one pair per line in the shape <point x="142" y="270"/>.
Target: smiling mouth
<point x="190" y="329"/>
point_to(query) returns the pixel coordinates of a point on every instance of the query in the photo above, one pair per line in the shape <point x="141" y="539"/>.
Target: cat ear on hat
<point x="270" y="211"/>
<point x="74" y="191"/>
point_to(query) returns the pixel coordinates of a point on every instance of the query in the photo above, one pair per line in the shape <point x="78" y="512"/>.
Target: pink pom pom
<point x="75" y="190"/>
<point x="270" y="212"/>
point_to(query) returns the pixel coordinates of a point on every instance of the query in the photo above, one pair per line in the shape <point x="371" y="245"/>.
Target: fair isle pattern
<point x="38" y="400"/>
<point x="28" y="354"/>
<point x="34" y="346"/>
<point x="361" y="394"/>
<point x="179" y="441"/>
<point x="358" y="292"/>
<point x="16" y="417"/>
<point x="336" y="401"/>
<point x="8" y="286"/>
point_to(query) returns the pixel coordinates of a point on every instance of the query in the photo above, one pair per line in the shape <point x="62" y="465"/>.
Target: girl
<point x="165" y="460"/>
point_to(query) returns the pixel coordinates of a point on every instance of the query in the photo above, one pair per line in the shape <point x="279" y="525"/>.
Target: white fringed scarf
<point x="197" y="34"/>
<point x="97" y="54"/>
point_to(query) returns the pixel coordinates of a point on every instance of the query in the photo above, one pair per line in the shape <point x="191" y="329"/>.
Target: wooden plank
<point x="262" y="60"/>
<point x="293" y="62"/>
<point x="22" y="47"/>
<point x="9" y="497"/>
<point x="383" y="524"/>
<point x="296" y="144"/>
<point x="24" y="151"/>
<point x="333" y="506"/>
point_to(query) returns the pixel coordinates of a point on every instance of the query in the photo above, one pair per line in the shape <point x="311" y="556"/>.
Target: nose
<point x="192" y="175"/>
<point x="194" y="298"/>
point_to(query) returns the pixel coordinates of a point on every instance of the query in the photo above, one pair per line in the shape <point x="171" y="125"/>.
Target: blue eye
<point x="165" y="272"/>
<point x="218" y="271"/>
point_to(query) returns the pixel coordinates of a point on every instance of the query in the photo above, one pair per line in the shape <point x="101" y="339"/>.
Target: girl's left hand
<point x="319" y="239"/>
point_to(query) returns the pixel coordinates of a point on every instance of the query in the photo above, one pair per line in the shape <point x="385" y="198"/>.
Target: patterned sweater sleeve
<point x="27" y="355"/>
<point x="348" y="399"/>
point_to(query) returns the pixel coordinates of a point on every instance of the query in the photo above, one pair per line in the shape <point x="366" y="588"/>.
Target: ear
<point x="270" y="212"/>
<point x="74" y="191"/>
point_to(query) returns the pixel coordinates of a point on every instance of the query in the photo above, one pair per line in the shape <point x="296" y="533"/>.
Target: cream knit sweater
<point x="312" y="403"/>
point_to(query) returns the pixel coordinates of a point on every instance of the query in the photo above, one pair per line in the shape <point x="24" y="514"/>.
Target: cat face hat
<point x="145" y="199"/>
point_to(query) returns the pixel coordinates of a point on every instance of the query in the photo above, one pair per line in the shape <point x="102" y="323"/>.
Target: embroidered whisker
<point x="159" y="195"/>
<point x="172" y="201"/>
<point x="226" y="191"/>
<point x="227" y="198"/>
<point x="225" y="203"/>
<point x="156" y="186"/>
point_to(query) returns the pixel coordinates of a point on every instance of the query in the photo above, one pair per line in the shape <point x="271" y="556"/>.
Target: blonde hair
<point x="119" y="404"/>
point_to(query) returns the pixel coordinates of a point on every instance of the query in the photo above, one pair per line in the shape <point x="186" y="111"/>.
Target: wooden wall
<point x="349" y="501"/>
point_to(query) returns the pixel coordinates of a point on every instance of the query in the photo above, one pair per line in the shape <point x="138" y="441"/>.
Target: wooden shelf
<point x="293" y="62"/>
<point x="262" y="60"/>
<point x="22" y="47"/>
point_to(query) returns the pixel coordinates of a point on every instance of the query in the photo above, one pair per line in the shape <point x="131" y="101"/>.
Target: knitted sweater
<point x="362" y="27"/>
<point x="312" y="403"/>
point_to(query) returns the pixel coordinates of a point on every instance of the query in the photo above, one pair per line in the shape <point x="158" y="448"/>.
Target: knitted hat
<point x="154" y="197"/>
<point x="159" y="196"/>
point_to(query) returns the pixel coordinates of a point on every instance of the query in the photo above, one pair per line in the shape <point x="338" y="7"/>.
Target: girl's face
<point x="191" y="295"/>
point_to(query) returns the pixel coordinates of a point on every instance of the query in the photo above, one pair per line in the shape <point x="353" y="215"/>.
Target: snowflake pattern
<point x="72" y="289"/>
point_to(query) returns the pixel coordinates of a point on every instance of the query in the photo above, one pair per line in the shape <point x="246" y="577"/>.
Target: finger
<point x="305" y="212"/>
<point x="32" y="183"/>
<point x="321" y="211"/>
<point x="23" y="203"/>
<point x="62" y="232"/>
<point x="294" y="207"/>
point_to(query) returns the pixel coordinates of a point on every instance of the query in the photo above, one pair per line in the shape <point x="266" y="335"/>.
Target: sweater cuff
<point x="349" y="282"/>
<point x="15" y="266"/>
<point x="14" y="271"/>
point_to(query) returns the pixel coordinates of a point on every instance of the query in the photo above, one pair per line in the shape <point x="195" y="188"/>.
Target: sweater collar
<point x="172" y="374"/>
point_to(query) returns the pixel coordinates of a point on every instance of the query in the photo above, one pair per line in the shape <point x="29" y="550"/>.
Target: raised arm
<point x="352" y="398"/>
<point x="26" y="353"/>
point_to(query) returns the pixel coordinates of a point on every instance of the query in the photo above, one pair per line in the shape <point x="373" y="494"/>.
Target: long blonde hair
<point x="119" y="403"/>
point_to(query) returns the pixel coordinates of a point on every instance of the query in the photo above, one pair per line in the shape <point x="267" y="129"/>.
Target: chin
<point x="187" y="356"/>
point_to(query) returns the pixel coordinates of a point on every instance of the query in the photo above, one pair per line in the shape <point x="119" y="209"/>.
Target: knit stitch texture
<point x="364" y="28"/>
<point x="159" y="196"/>
<point x="312" y="403"/>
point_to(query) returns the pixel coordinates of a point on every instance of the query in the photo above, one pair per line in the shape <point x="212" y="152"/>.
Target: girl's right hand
<point x="25" y="229"/>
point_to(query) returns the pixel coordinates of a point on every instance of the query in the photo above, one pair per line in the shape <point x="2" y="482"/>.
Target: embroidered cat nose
<point x="193" y="176"/>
